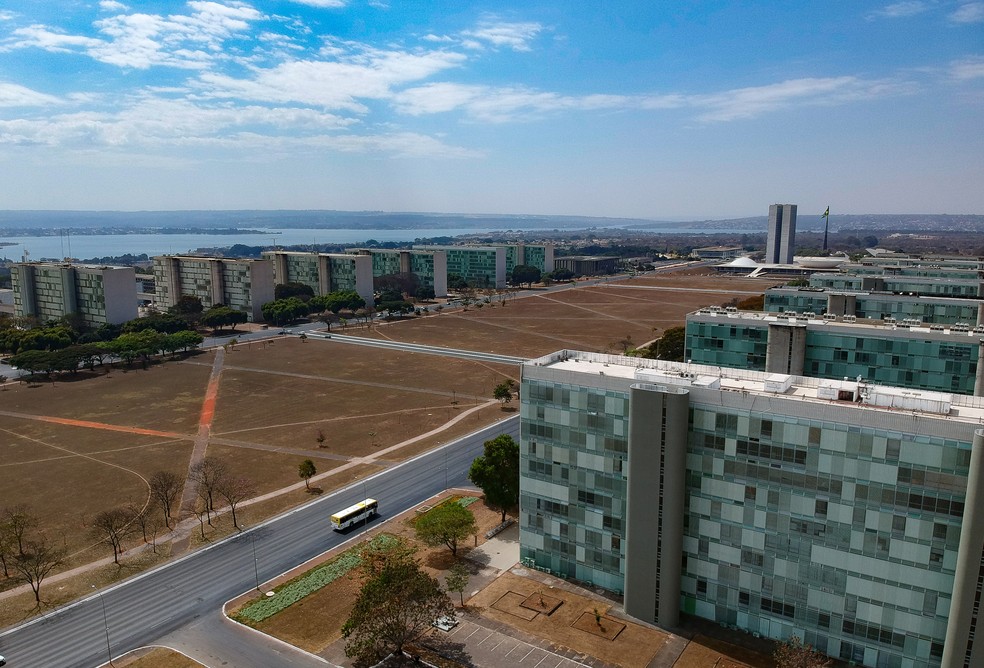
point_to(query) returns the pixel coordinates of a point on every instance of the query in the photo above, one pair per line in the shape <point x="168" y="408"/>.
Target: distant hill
<point x="326" y="219"/>
<point x="906" y="222"/>
<point x="299" y="219"/>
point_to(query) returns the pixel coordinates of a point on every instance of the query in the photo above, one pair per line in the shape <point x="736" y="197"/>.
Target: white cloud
<point x="6" y="15"/>
<point x="971" y="12"/>
<point x="338" y="84"/>
<point x="968" y="68"/>
<point x="14" y="95"/>
<point x="140" y="41"/>
<point x="516" y="36"/>
<point x="755" y="101"/>
<point x="330" y="4"/>
<point x="902" y="9"/>
<point x="112" y="6"/>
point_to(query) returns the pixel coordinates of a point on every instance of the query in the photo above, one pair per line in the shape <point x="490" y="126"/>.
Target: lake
<point x="89" y="246"/>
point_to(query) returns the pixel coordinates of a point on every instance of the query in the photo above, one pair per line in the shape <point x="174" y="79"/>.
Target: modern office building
<point x="480" y="266"/>
<point x="540" y="256"/>
<point x="718" y="252"/>
<point x="324" y="272"/>
<point x="943" y="358"/>
<point x="50" y="290"/>
<point x="241" y="284"/>
<point x="430" y="266"/>
<point x="781" y="240"/>
<point x="874" y="305"/>
<point x="847" y="514"/>
<point x="587" y="265"/>
<point x="914" y="285"/>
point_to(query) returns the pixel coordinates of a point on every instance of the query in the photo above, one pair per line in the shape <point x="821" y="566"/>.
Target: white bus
<point x="363" y="510"/>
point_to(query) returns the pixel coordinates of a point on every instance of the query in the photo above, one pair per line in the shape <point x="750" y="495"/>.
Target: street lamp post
<point x="109" y="650"/>
<point x="256" y="570"/>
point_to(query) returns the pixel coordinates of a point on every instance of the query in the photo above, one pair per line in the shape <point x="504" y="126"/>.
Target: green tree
<point x="671" y="346"/>
<point x="496" y="472"/>
<point x="503" y="393"/>
<point x="456" y="282"/>
<point x="396" y="606"/>
<point x="283" y="311"/>
<point x="447" y="524"/>
<point x="523" y="273"/>
<point x="293" y="289"/>
<point x="218" y="317"/>
<point x="457" y="579"/>
<point x="307" y="470"/>
<point x="793" y="653"/>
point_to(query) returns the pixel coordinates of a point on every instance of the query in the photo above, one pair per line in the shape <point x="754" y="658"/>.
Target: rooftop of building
<point x="851" y="393"/>
<point x="785" y="289"/>
<point x="210" y="258"/>
<point x="842" y="323"/>
<point x="70" y="264"/>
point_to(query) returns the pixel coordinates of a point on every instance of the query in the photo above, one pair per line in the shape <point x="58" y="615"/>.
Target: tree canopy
<point x="523" y="273"/>
<point x="671" y="346"/>
<point x="396" y="605"/>
<point x="496" y="472"/>
<point x="218" y="317"/>
<point x="283" y="311"/>
<point x="447" y="524"/>
<point x="293" y="289"/>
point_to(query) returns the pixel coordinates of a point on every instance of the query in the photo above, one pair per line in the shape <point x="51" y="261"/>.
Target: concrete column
<point x="785" y="350"/>
<point x="980" y="313"/>
<point x="979" y="378"/>
<point x="324" y="274"/>
<point x="970" y="563"/>
<point x="659" y="425"/>
<point x="835" y="304"/>
<point x="217" y="284"/>
<point x="280" y="274"/>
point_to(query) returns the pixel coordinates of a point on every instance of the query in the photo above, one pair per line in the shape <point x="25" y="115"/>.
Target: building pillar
<point x="979" y="378"/>
<point x="280" y="274"/>
<point x="961" y="648"/>
<point x="659" y="426"/>
<point x="785" y="350"/>
<point x="217" y="284"/>
<point x="980" y="314"/>
<point x="324" y="274"/>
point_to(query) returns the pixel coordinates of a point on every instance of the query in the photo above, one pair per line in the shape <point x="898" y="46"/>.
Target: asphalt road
<point x="186" y="592"/>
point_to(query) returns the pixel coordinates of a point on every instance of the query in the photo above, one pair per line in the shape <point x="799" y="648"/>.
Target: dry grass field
<point x="75" y="447"/>
<point x="596" y="318"/>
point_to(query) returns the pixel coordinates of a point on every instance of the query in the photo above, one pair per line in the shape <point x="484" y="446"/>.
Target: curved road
<point x="185" y="594"/>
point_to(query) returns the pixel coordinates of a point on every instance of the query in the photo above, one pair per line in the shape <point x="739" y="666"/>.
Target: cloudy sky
<point x="662" y="110"/>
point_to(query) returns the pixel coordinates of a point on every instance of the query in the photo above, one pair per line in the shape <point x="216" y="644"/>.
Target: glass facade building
<point x="846" y="514"/>
<point x="241" y="284"/>
<point x="324" y="272"/>
<point x="944" y="359"/>
<point x="874" y="306"/>
<point x="430" y="266"/>
<point x="480" y="266"/>
<point x="99" y="294"/>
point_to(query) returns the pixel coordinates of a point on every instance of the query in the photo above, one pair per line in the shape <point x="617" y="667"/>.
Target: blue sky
<point x="662" y="110"/>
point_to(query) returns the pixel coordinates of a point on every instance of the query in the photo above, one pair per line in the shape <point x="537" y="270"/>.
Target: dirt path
<point x="201" y="443"/>
<point x="93" y="425"/>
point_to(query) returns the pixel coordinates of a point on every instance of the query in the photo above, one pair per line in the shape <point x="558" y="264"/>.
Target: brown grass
<point x="159" y="657"/>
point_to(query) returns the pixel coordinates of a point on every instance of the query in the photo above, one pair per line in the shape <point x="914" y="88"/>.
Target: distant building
<point x="324" y="272"/>
<point x="587" y="265"/>
<point x="50" y="290"/>
<point x="904" y="354"/>
<point x="718" y="252"/>
<point x="430" y="266"/>
<point x="480" y="266"/>
<point x="901" y="284"/>
<point x="875" y="305"/>
<point x="781" y="242"/>
<point x="241" y="284"/>
<point x="842" y="513"/>
<point x="539" y="256"/>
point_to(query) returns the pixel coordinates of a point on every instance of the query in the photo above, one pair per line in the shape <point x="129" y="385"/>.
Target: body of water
<point x="90" y="246"/>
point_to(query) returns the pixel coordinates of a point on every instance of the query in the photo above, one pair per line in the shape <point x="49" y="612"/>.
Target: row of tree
<point x="296" y="300"/>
